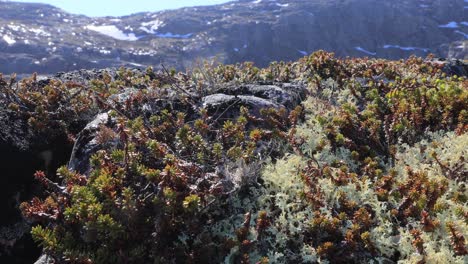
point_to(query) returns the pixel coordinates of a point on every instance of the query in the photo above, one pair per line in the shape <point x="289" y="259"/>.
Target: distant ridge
<point x="45" y="39"/>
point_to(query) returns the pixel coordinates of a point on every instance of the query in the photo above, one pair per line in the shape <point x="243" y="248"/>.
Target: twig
<point x="225" y="110"/>
<point x="177" y="85"/>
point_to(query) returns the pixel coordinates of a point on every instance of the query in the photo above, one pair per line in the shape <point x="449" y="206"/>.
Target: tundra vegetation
<point x="369" y="168"/>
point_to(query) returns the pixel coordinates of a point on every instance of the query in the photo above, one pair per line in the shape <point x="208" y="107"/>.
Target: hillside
<point x="314" y="161"/>
<point x="44" y="39"/>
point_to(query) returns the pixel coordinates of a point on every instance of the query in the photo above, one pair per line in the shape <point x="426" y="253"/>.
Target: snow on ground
<point x="404" y="48"/>
<point x="451" y="24"/>
<point x="141" y="52"/>
<point x="170" y="35"/>
<point x="462" y="33"/>
<point x="40" y="32"/>
<point x="461" y="46"/>
<point x="113" y="32"/>
<point x="136" y="64"/>
<point x="365" y="51"/>
<point x="106" y="52"/>
<point x="14" y="27"/>
<point x="9" y="40"/>
<point x="153" y="26"/>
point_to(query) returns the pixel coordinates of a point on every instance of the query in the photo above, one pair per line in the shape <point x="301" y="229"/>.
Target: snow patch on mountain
<point x="404" y="48"/>
<point x="40" y="32"/>
<point x="9" y="40"/>
<point x="170" y="35"/>
<point x="451" y="24"/>
<point x="113" y="32"/>
<point x="462" y="33"/>
<point x="152" y="26"/>
<point x="365" y="51"/>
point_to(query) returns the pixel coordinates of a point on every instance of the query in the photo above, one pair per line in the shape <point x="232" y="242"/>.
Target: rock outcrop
<point x="24" y="150"/>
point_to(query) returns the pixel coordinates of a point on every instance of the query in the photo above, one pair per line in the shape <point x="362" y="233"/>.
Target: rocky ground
<point x="25" y="150"/>
<point x="40" y="130"/>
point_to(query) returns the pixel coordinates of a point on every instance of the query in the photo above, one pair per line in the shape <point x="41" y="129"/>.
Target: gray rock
<point x="253" y="96"/>
<point x="217" y="100"/>
<point x="452" y="66"/>
<point x="227" y="106"/>
<point x="23" y="150"/>
<point x="456" y="67"/>
<point x="124" y="96"/>
<point x="45" y="259"/>
<point x="257" y="103"/>
<point x="286" y="94"/>
<point x="11" y="234"/>
<point x="86" y="145"/>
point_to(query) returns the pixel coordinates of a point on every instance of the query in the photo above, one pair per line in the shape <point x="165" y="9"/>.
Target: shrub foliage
<point x="370" y="168"/>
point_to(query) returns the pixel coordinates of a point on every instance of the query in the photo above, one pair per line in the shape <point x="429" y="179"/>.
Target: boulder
<point x="86" y="144"/>
<point x="452" y="66"/>
<point x="22" y="152"/>
<point x="44" y="259"/>
<point x="227" y="100"/>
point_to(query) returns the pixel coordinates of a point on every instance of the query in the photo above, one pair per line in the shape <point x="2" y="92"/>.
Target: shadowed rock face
<point x="41" y="38"/>
<point x="224" y="103"/>
<point x="18" y="164"/>
<point x="22" y="153"/>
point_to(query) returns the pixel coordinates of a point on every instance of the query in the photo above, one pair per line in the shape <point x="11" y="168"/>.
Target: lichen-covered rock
<point x="452" y="66"/>
<point x="45" y="259"/>
<point x="86" y="144"/>
<point x="222" y="103"/>
<point x="227" y="100"/>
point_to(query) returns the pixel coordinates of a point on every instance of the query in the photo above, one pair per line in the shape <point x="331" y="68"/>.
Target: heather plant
<point x="369" y="168"/>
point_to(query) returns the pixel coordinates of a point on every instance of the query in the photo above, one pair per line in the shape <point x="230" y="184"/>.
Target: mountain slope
<point x="42" y="38"/>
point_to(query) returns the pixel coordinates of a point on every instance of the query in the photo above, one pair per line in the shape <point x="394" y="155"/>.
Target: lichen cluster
<point x="370" y="168"/>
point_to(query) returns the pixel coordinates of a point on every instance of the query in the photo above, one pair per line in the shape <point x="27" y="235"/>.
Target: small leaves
<point x="191" y="203"/>
<point x="457" y="240"/>
<point x="46" y="238"/>
<point x="170" y="186"/>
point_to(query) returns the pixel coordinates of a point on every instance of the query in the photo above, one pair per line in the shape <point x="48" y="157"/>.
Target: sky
<point x="121" y="7"/>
